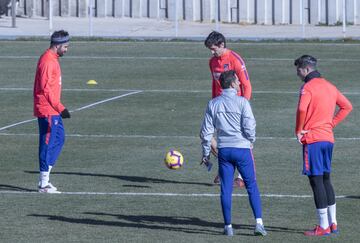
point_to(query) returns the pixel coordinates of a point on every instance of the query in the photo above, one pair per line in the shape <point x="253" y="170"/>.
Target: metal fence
<point x="286" y="13"/>
<point x="272" y="12"/>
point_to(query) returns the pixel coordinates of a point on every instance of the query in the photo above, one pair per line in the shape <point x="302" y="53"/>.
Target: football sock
<point x="259" y="221"/>
<point x="332" y="214"/>
<point x="323" y="217"/>
<point x="50" y="167"/>
<point x="228" y="226"/>
<point x="44" y="178"/>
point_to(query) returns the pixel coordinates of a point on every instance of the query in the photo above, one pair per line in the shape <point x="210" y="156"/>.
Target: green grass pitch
<point x="117" y="188"/>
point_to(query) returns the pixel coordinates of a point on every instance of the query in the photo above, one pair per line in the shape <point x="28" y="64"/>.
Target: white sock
<point x="50" y="167"/>
<point x="259" y="221"/>
<point x="332" y="214"/>
<point x="228" y="226"/>
<point x="44" y="178"/>
<point x="239" y="176"/>
<point x="323" y="217"/>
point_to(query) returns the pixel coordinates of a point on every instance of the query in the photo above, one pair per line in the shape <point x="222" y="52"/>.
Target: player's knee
<point x="250" y="185"/>
<point x="315" y="181"/>
<point x="326" y="176"/>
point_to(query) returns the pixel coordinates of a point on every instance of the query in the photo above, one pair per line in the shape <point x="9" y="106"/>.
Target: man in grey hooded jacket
<point x="231" y="117"/>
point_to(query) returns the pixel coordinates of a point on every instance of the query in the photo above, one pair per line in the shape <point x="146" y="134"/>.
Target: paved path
<point x="160" y="29"/>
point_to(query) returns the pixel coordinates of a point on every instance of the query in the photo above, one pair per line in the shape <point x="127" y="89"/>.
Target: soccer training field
<point x="150" y="98"/>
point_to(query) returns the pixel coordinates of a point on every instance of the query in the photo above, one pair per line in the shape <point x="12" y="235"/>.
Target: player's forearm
<point x="341" y="115"/>
<point x="300" y="121"/>
<point x="345" y="108"/>
<point x="247" y="92"/>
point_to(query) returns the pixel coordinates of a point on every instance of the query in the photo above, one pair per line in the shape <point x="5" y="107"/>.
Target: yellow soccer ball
<point x="174" y="160"/>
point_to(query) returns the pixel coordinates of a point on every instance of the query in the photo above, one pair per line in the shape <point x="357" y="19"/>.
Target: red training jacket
<point x="47" y="86"/>
<point x="230" y="60"/>
<point x="316" y="109"/>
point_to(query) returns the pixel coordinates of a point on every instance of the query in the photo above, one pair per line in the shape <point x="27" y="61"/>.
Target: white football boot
<point x="49" y="188"/>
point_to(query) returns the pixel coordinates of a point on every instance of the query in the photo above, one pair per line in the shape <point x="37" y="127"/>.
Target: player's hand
<point x="300" y="135"/>
<point x="206" y="161"/>
<point x="65" y="114"/>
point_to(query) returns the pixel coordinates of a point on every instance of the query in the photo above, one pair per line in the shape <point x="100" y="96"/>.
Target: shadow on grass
<point x="15" y="188"/>
<point x="169" y="223"/>
<point x="136" y="186"/>
<point x="181" y="224"/>
<point x="138" y="179"/>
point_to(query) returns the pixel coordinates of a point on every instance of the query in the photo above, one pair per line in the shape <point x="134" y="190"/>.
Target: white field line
<point x="167" y="194"/>
<point x="106" y="100"/>
<point x="156" y="136"/>
<point x="151" y="90"/>
<point x="16" y="124"/>
<point x="78" y="109"/>
<point x="177" y="58"/>
<point x="165" y="91"/>
<point x="200" y="43"/>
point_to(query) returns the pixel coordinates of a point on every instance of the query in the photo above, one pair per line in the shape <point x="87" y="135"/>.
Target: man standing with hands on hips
<point x="48" y="108"/>
<point x="316" y="117"/>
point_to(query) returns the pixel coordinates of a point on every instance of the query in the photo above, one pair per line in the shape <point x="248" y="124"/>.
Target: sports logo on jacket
<point x="216" y="75"/>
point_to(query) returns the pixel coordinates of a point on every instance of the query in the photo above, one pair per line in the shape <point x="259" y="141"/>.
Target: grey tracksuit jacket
<point x="231" y="117"/>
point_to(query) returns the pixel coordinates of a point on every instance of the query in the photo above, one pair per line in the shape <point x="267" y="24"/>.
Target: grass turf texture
<point x="118" y="146"/>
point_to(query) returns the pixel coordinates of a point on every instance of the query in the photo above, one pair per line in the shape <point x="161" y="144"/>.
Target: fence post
<point x="337" y="15"/>
<point x="228" y="7"/>
<point x="327" y="12"/>
<point x="90" y="13"/>
<point x="33" y="8"/>
<point x="265" y="12"/>
<point x="355" y="12"/>
<point x="217" y="13"/>
<point x="184" y="9"/>
<point x="319" y="11"/>
<point x="283" y="11"/>
<point x="176" y="18"/>
<point x="50" y="16"/>
<point x="302" y="18"/>
<point x="69" y="8"/>
<point x="273" y="12"/>
<point x="301" y="12"/>
<point x="344" y="17"/>
<point x="247" y="11"/>
<point x="255" y="12"/>
<point x="140" y="8"/>
<point x="13" y="13"/>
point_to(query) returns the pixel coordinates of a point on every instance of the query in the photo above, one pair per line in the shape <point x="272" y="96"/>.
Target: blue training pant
<point x="51" y="141"/>
<point x="242" y="159"/>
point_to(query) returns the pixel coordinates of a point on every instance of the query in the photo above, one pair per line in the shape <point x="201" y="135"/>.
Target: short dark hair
<point x="227" y="78"/>
<point x="215" y="38"/>
<point x="59" y="37"/>
<point x="306" y="60"/>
